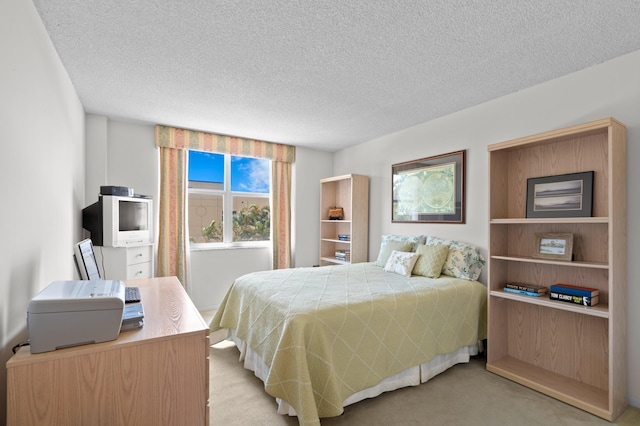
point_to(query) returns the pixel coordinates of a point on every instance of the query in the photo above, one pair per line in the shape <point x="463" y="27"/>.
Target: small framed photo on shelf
<point x="569" y="195"/>
<point x="554" y="246"/>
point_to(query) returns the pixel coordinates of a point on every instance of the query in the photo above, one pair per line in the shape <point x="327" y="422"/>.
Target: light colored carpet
<point x="466" y="394"/>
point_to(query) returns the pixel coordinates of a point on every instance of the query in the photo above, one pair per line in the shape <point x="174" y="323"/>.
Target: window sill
<point x="230" y="246"/>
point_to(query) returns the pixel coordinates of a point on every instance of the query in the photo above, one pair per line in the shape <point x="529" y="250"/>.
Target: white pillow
<point x="401" y="262"/>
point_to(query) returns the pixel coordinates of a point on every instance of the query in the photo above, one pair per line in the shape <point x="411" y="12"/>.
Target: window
<point x="227" y="186"/>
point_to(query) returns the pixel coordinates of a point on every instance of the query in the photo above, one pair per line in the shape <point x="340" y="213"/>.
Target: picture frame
<point x="554" y="246"/>
<point x="567" y="195"/>
<point x="429" y="190"/>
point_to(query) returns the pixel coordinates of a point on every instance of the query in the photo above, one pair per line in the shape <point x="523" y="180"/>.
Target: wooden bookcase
<point x="573" y="353"/>
<point x="351" y="192"/>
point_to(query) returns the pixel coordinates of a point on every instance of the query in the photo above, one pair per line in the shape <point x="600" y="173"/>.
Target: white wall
<point x="213" y="271"/>
<point x="310" y="167"/>
<point x="41" y="171"/>
<point x="609" y="89"/>
<point x="122" y="154"/>
<point x="132" y="158"/>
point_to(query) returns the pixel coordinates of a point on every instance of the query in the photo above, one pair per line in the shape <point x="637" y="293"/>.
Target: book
<point x="344" y="237"/>
<point x="574" y="290"/>
<point x="527" y="287"/>
<point x="132" y="317"/>
<point x="524" y="292"/>
<point x="343" y="254"/>
<point x="577" y="300"/>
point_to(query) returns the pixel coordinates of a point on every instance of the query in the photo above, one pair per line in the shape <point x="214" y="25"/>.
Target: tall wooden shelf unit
<point x="351" y="192"/>
<point x="573" y="353"/>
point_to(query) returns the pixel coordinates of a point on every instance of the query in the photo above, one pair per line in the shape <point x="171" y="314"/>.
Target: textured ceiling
<point x="322" y="73"/>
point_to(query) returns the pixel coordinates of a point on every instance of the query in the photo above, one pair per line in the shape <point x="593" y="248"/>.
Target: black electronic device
<point x="132" y="294"/>
<point x="120" y="191"/>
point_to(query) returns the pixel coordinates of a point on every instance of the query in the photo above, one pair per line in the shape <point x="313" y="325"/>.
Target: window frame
<point x="227" y="209"/>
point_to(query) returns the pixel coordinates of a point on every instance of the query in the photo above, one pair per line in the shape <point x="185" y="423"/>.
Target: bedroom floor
<point x="465" y="394"/>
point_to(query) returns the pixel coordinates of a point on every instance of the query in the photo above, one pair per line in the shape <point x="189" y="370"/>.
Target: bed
<point x="325" y="337"/>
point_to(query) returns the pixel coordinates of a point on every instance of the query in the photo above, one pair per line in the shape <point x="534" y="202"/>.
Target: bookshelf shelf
<point x="332" y="240"/>
<point x="574" y="353"/>
<point x="575" y="264"/>
<point x="508" y="221"/>
<point x="333" y="260"/>
<point x="576" y="393"/>
<point x="351" y="192"/>
<point x="600" y="310"/>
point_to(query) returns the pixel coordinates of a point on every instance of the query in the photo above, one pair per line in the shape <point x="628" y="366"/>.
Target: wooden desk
<point x="156" y="375"/>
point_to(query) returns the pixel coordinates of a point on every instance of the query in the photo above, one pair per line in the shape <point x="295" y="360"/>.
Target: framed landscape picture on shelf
<point x="569" y="195"/>
<point x="554" y="246"/>
<point x="429" y="189"/>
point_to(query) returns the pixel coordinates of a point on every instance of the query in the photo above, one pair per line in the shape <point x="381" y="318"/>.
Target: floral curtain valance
<point x="171" y="137"/>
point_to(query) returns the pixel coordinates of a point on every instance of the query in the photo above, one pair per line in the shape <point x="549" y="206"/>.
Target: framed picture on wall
<point x="568" y="195"/>
<point x="429" y="189"/>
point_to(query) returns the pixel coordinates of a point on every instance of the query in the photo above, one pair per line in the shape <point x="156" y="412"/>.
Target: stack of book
<point x="343" y="255"/>
<point x="344" y="237"/>
<point x="132" y="316"/>
<point x="525" y="289"/>
<point x="586" y="296"/>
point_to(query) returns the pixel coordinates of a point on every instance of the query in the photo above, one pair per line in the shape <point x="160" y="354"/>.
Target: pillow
<point x="431" y="260"/>
<point x="401" y="262"/>
<point x="464" y="259"/>
<point x="414" y="239"/>
<point x="388" y="246"/>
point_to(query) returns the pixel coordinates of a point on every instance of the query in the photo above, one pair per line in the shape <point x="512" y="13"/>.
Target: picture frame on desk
<point x="554" y="246"/>
<point x="568" y="195"/>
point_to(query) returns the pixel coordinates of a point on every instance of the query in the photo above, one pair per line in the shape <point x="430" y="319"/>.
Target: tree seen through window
<point x="245" y="198"/>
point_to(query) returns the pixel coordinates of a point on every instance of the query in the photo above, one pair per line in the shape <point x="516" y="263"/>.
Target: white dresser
<point x="125" y="263"/>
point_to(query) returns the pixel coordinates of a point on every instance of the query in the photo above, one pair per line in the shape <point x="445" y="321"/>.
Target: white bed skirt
<point x="410" y="377"/>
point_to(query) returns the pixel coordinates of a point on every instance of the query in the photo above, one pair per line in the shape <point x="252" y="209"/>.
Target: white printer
<point x="72" y="313"/>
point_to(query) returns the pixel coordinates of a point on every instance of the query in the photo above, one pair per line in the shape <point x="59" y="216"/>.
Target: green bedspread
<point x="326" y="333"/>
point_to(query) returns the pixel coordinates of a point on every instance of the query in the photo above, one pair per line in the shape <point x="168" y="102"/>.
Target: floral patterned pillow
<point x="401" y="262"/>
<point x="464" y="259"/>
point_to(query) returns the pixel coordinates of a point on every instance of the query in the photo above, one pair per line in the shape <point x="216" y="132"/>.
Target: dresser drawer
<point x="123" y="263"/>
<point x="140" y="254"/>
<point x="139" y="270"/>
